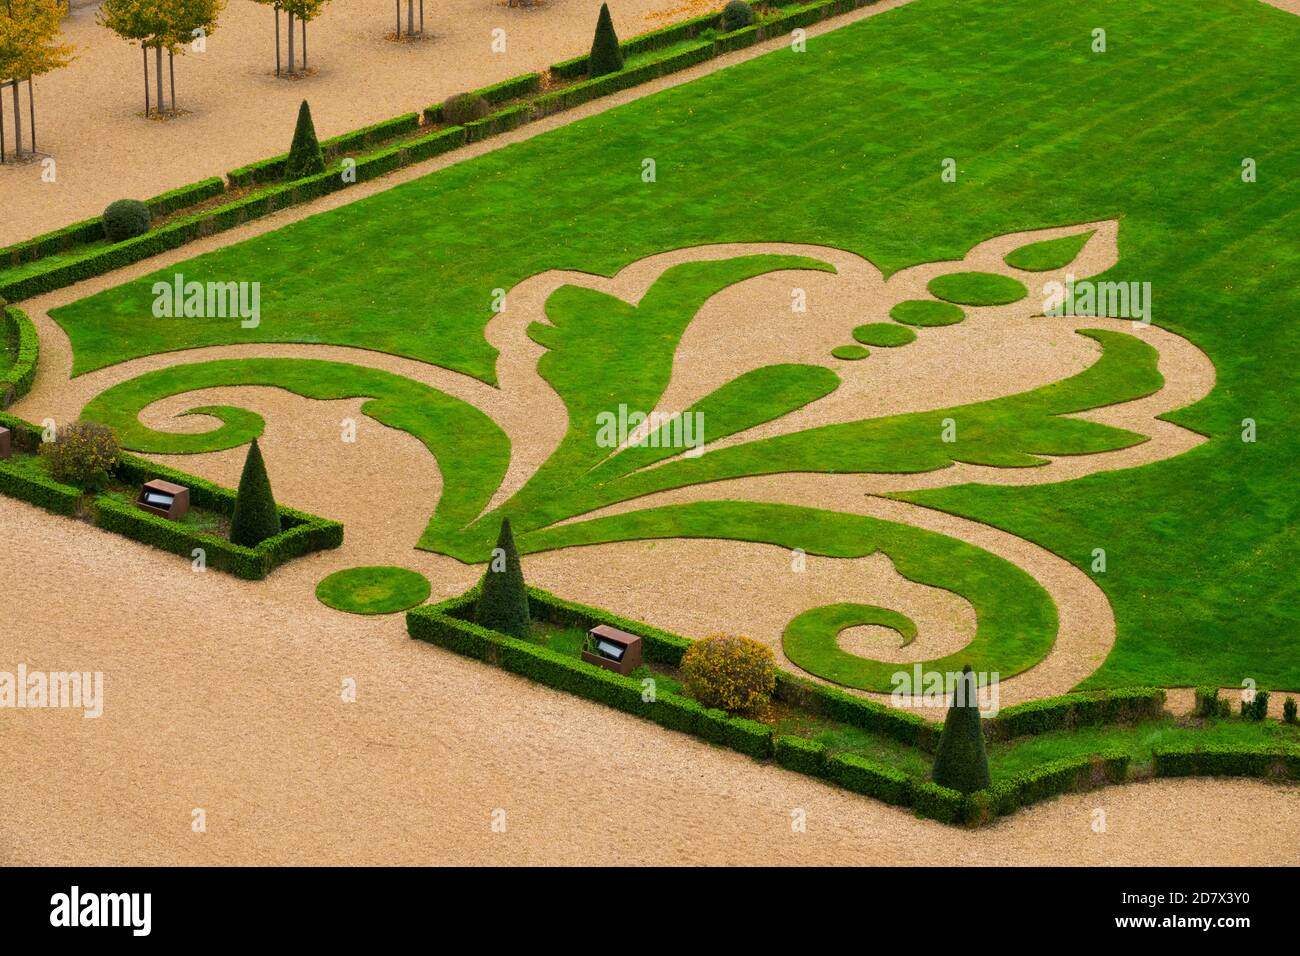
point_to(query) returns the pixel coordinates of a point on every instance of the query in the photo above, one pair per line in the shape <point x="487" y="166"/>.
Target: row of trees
<point x="30" y="45"/>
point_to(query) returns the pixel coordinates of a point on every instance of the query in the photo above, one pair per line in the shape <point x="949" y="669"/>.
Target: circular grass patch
<point x="811" y="641"/>
<point x="884" y="334"/>
<point x="373" y="590"/>
<point x="977" y="288"/>
<point x="850" y="353"/>
<point x="926" y="312"/>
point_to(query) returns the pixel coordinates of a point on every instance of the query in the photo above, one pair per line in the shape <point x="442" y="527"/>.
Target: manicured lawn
<point x="842" y="146"/>
<point x="373" y="590"/>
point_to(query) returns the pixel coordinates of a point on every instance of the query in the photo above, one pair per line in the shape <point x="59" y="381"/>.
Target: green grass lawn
<point x="842" y="146"/>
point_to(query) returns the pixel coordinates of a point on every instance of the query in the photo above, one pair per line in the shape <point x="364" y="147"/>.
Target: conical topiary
<point x="961" y="762"/>
<point x="305" y="157"/>
<point x="503" y="599"/>
<point x="256" y="517"/>
<point x="605" y="57"/>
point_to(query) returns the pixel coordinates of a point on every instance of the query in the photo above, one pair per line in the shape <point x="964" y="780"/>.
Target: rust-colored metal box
<point x="164" y="499"/>
<point x="612" y="649"/>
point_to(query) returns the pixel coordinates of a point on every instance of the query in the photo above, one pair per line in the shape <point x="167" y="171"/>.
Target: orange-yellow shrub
<point x="734" y="673"/>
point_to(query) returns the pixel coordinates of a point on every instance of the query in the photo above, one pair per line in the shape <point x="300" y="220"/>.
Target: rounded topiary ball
<point x="126" y="219"/>
<point x="736" y="15"/>
<point x="464" y="108"/>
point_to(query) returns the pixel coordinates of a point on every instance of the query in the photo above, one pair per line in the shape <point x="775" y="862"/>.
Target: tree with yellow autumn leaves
<point x="30" y="46"/>
<point x="173" y="26"/>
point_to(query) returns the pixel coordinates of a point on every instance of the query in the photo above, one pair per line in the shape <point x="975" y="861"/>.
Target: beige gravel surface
<point x="238" y="712"/>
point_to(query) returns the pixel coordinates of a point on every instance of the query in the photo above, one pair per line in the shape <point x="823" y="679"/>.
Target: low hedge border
<point x="1069" y="711"/>
<point x="525" y="87"/>
<point x="20" y="337"/>
<point x="446" y="625"/>
<point x="303" y="533"/>
<point x="1269" y="763"/>
<point x="271" y="170"/>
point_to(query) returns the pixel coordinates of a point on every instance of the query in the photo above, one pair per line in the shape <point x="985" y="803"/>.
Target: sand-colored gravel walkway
<point x="220" y="701"/>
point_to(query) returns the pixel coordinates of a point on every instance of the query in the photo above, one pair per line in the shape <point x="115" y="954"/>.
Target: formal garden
<point x="778" y="306"/>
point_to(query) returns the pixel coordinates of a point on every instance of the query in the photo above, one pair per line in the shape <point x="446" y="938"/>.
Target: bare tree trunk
<point x="421" y="16"/>
<point x="277" y="41"/>
<point x="291" y="70"/>
<point x="157" y="74"/>
<point x="31" y="111"/>
<point x="304" y="45"/>
<point x="398" y="4"/>
<point x="18" y="124"/>
<point x="2" y="130"/>
<point x="171" y="69"/>
<point x="410" y="17"/>
<point x="145" y="51"/>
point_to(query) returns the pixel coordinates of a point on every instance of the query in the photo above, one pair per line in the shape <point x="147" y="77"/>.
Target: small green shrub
<point x="962" y="764"/>
<point x="503" y="600"/>
<point x="1257" y="707"/>
<point x="606" y="57"/>
<point x="462" y="108"/>
<point x="82" y="454"/>
<point x="256" y="517"/>
<point x="736" y="15"/>
<point x="733" y="673"/>
<point x="305" y="156"/>
<point x="1289" y="711"/>
<point x="1208" y="703"/>
<point x="126" y="219"/>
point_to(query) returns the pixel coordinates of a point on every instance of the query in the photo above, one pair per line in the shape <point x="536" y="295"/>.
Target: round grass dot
<point x="926" y="312"/>
<point x="373" y="590"/>
<point x="850" y="353"/>
<point x="884" y="334"/>
<point x="977" y="288"/>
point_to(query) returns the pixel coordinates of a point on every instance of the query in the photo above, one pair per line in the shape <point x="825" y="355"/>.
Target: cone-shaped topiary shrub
<point x="256" y="517"/>
<point x="1289" y="710"/>
<point x="503" y="599"/>
<point x="305" y="157"/>
<point x="961" y="762"/>
<point x="737" y="15"/>
<point x="125" y="219"/>
<point x="605" y="57"/>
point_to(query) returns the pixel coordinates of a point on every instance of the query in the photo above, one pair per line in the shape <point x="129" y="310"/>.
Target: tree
<point x="138" y="21"/>
<point x="410" y="18"/>
<point x="184" y="22"/>
<point x="305" y="11"/>
<point x="256" y="517"/>
<point x="503" y="598"/>
<point x="29" y="47"/>
<point x="305" y="157"/>
<point x="961" y="762"/>
<point x="605" y="57"/>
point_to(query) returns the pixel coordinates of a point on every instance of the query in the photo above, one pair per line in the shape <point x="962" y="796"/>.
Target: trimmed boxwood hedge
<point x="1222" y="761"/>
<point x="303" y="533"/>
<point x="271" y="170"/>
<point x="502" y="121"/>
<point x="19" y="335"/>
<point x="1127" y="705"/>
<point x="823" y="701"/>
<point x="872" y="779"/>
<point x="587" y="90"/>
<point x="800" y="755"/>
